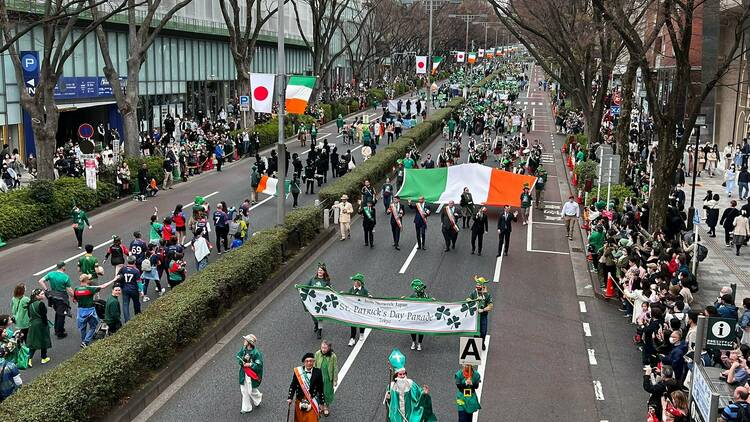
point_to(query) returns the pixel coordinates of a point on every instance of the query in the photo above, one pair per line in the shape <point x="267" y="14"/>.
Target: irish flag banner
<point x="472" y="57"/>
<point x="488" y="186"/>
<point x="436" y="60"/>
<point x="270" y="185"/>
<point x="298" y="91"/>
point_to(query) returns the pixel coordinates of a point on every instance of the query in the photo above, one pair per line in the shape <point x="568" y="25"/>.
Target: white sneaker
<point x="163" y="289"/>
<point x="146" y="298"/>
<point x="413" y="345"/>
<point x="352" y="342"/>
<point x="419" y="347"/>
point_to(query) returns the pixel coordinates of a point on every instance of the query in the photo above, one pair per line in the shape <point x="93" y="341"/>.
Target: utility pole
<point x="487" y="25"/>
<point x="281" y="146"/>
<point x="468" y="19"/>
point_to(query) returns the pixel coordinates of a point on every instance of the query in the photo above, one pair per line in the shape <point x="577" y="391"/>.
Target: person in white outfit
<point x="250" y="360"/>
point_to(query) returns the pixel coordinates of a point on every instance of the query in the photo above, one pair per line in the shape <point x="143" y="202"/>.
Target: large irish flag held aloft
<point x="488" y="186"/>
<point x="298" y="91"/>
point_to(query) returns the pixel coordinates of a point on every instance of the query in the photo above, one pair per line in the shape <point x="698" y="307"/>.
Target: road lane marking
<point x="582" y="306"/>
<point x="352" y="356"/>
<point x="592" y="356"/>
<point x="529" y="230"/>
<point x="587" y="329"/>
<point x="480" y="370"/>
<point x="262" y="202"/>
<point x="190" y="204"/>
<point x="498" y="266"/>
<point x="408" y="260"/>
<point x="598" y="390"/>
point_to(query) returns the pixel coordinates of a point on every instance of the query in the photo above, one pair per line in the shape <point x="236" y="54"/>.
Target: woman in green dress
<point x="467" y="403"/>
<point x="327" y="362"/>
<point x="38" y="338"/>
<point x="20" y="309"/>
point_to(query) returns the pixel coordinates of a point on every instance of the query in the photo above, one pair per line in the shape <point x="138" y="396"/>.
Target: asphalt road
<point x="537" y="366"/>
<point x="28" y="262"/>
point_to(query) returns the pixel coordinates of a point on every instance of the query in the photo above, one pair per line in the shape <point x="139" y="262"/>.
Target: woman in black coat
<point x="727" y="220"/>
<point x="711" y="206"/>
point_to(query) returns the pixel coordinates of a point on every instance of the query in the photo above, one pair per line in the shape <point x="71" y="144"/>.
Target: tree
<point x="141" y="35"/>
<point x="243" y="36"/>
<point x="680" y="104"/>
<point x="569" y="41"/>
<point x="364" y="53"/>
<point x="60" y="39"/>
<point x="327" y="18"/>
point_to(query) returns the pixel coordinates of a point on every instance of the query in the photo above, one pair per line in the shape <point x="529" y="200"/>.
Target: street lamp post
<point x="281" y="146"/>
<point x="700" y="122"/>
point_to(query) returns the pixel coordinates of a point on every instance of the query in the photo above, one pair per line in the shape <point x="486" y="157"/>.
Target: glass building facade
<point x="189" y="70"/>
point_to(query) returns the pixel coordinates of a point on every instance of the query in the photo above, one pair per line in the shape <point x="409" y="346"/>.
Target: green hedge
<point x="585" y="170"/>
<point x="616" y="191"/>
<point x="21" y="214"/>
<point x="96" y="378"/>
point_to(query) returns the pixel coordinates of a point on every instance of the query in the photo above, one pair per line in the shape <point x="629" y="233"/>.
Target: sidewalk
<point x="722" y="267"/>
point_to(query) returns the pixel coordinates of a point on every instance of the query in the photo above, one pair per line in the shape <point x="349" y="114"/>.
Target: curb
<point x="162" y="379"/>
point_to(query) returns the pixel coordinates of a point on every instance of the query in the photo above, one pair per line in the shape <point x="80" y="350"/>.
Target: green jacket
<point x="596" y="240"/>
<point x="255" y="358"/>
<point x="79" y="218"/>
<point x="112" y="310"/>
<point x="333" y="365"/>
<point x="20" y="309"/>
<point x="466" y="397"/>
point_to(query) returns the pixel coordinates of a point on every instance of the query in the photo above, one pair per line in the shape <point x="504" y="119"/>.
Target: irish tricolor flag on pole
<point x="436" y="60"/>
<point x="488" y="186"/>
<point x="298" y="91"/>
<point x="270" y="185"/>
<point x="472" y="57"/>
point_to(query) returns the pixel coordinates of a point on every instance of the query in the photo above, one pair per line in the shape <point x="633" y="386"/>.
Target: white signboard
<point x="400" y="315"/>
<point x="90" y="166"/>
<point x="701" y="393"/>
<point x="470" y="352"/>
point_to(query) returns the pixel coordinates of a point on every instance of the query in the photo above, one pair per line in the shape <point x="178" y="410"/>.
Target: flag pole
<point x="281" y="84"/>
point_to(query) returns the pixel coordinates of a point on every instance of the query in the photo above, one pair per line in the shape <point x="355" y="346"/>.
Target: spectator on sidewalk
<point x="741" y="231"/>
<point x="727" y="221"/>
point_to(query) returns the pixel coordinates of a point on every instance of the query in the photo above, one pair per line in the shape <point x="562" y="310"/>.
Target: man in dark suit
<point x="479" y="226"/>
<point x="368" y="221"/>
<point x="396" y="210"/>
<point x="504" y="227"/>
<point x="448" y="225"/>
<point x="420" y="221"/>
<point x="307" y="381"/>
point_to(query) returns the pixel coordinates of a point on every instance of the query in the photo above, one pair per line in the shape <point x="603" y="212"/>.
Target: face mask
<point x="672" y="340"/>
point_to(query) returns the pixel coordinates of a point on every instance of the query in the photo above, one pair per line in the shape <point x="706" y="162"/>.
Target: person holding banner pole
<point x="320" y="279"/>
<point x="420" y="221"/>
<point x="449" y="224"/>
<point x="250" y="360"/>
<point x="357" y="289"/>
<point x="306" y="390"/>
<point x="484" y="305"/>
<point x="419" y="294"/>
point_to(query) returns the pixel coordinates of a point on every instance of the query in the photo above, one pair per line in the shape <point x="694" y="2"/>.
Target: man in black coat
<point x="504" y="227"/>
<point x="396" y="210"/>
<point x="368" y="221"/>
<point x="449" y="227"/>
<point x="312" y="386"/>
<point x="727" y="220"/>
<point x="479" y="227"/>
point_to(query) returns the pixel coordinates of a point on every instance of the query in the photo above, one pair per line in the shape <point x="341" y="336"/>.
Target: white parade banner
<point x="389" y="314"/>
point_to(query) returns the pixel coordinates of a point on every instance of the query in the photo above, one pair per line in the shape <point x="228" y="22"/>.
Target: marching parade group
<point x="492" y="131"/>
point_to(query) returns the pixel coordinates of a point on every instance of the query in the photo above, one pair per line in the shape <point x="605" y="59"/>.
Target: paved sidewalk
<point x="722" y="267"/>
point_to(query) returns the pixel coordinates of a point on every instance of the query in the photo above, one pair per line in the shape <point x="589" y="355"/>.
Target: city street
<point x="537" y="348"/>
<point x="30" y="261"/>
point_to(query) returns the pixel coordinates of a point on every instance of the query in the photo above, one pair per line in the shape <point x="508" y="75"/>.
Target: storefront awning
<point x="75" y="106"/>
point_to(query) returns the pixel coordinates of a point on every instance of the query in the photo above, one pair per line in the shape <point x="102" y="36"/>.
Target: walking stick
<point x="288" y="411"/>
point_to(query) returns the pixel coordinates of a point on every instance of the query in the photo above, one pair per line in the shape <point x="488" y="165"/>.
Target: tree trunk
<point x="45" y="139"/>
<point x="623" y="125"/>
<point x="132" y="140"/>
<point x="663" y="174"/>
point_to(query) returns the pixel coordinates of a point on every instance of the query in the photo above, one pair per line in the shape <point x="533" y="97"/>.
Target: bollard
<point x="336" y="212"/>
<point x="317" y="202"/>
<point x="326" y="218"/>
<point x="734" y="292"/>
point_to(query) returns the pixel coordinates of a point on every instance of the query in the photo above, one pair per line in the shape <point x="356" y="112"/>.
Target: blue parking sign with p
<point x="244" y="100"/>
<point x="30" y="61"/>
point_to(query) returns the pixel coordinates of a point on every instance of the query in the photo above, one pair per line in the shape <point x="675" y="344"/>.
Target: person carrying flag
<point x="449" y="227"/>
<point x="420" y="221"/>
<point x="396" y="210"/>
<point x="250" y="360"/>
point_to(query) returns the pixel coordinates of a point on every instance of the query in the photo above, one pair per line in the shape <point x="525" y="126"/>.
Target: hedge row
<point x="95" y="379"/>
<point x="43" y="203"/>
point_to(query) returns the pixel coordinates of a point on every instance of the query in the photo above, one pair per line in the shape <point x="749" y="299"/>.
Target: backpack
<point x="146" y="265"/>
<point x="743" y="412"/>
<point x="702" y="252"/>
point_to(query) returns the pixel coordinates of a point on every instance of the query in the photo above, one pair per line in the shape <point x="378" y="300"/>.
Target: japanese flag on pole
<point x="481" y="53"/>
<point x="421" y="64"/>
<point x="261" y="90"/>
<point x="460" y="57"/>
